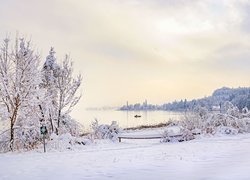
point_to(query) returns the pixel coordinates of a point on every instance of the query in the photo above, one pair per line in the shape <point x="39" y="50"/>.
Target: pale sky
<point x="159" y="50"/>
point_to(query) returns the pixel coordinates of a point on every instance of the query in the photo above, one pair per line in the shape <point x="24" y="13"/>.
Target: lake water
<point x="126" y="119"/>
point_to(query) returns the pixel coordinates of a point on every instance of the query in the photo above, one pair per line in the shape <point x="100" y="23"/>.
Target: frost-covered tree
<point x="68" y="87"/>
<point x="50" y="74"/>
<point x="61" y="92"/>
<point x="19" y="91"/>
<point x="30" y="97"/>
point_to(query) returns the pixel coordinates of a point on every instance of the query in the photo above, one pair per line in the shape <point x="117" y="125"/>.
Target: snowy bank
<point x="217" y="157"/>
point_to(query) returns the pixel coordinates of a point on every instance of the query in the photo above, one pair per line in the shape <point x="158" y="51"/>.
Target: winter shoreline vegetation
<point x="195" y="124"/>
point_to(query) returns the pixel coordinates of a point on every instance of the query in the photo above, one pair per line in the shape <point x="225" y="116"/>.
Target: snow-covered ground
<point x="219" y="157"/>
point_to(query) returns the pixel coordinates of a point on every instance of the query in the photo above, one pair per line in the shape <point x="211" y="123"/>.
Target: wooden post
<point x="44" y="148"/>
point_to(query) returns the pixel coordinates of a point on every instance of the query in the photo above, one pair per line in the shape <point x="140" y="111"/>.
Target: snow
<point x="143" y="133"/>
<point x="217" y="157"/>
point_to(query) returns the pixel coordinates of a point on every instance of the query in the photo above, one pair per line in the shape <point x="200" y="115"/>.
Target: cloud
<point x="163" y="49"/>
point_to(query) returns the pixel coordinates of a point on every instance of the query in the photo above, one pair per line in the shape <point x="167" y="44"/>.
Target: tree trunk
<point x="51" y="122"/>
<point x="12" y="133"/>
<point x="12" y="136"/>
<point x="58" y="121"/>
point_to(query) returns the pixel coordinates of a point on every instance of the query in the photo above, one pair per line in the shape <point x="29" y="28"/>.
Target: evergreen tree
<point x="50" y="73"/>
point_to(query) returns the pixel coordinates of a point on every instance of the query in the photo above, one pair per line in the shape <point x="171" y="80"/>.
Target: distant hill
<point x="238" y="96"/>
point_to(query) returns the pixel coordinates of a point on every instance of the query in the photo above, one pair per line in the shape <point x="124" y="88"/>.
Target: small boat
<point x="137" y="116"/>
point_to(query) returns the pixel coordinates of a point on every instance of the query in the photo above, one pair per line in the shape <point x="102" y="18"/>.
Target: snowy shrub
<point x="83" y="141"/>
<point x="226" y="106"/>
<point x="24" y="139"/>
<point x="195" y="120"/>
<point x="227" y="130"/>
<point x="187" y="135"/>
<point x="229" y="122"/>
<point x="245" y="113"/>
<point x="71" y="126"/>
<point x="177" y="134"/>
<point x="191" y="121"/>
<point x="61" y="142"/>
<point x="4" y="141"/>
<point x="27" y="138"/>
<point x="230" y="109"/>
<point x="234" y="112"/>
<point x="196" y="131"/>
<point x="201" y="112"/>
<point x="105" y="131"/>
<point x="245" y="110"/>
<point x="247" y="121"/>
<point x="65" y="142"/>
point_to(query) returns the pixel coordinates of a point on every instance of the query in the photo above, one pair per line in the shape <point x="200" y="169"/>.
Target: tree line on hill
<point x="239" y="97"/>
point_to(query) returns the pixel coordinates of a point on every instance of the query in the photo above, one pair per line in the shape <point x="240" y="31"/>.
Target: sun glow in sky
<point x="160" y="50"/>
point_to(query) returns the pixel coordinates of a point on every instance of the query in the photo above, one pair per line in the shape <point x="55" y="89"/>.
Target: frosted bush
<point x="192" y="121"/>
<point x="200" y="121"/>
<point x="245" y="113"/>
<point x="227" y="106"/>
<point x="201" y="112"/>
<point x="26" y="134"/>
<point x="229" y="122"/>
<point x="195" y="120"/>
<point x="105" y="131"/>
<point x="187" y="135"/>
<point x="71" y="126"/>
<point x="227" y="130"/>
<point x="196" y="131"/>
<point x="245" y="110"/>
<point x="4" y="141"/>
<point x="230" y="109"/>
<point x="27" y="138"/>
<point x="65" y="141"/>
<point x="83" y="141"/>
<point x="177" y="134"/>
<point x="234" y="112"/>
<point x="61" y="142"/>
<point x="247" y="121"/>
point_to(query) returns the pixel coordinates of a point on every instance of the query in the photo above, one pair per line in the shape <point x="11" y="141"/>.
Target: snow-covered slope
<point x="225" y="157"/>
